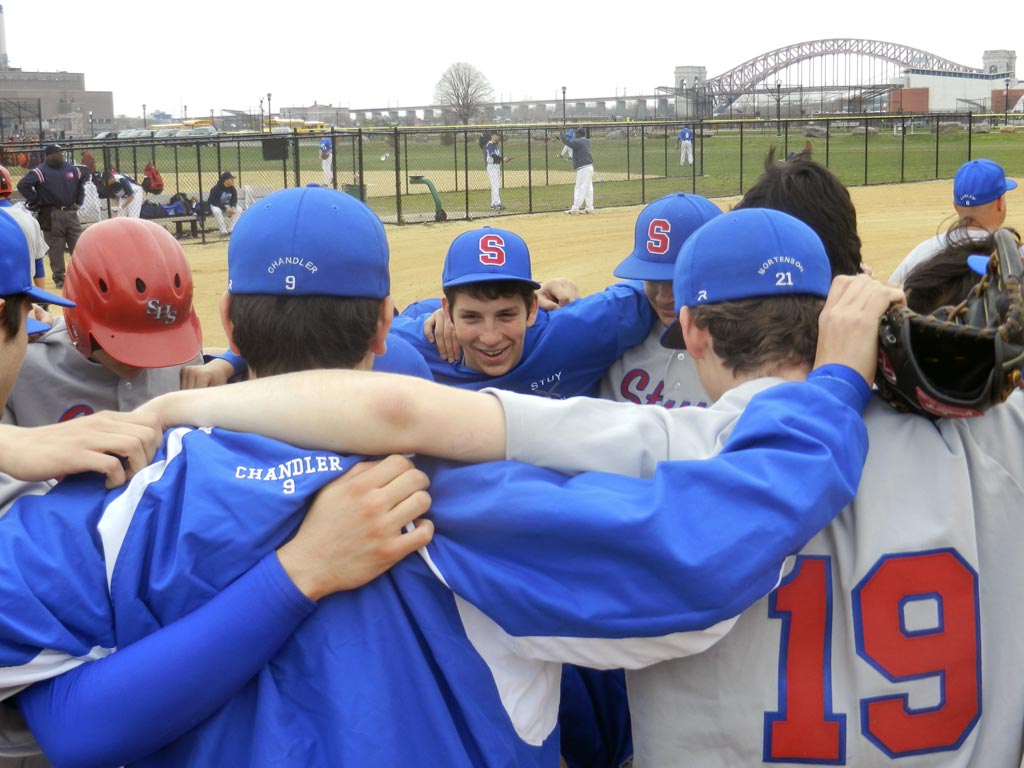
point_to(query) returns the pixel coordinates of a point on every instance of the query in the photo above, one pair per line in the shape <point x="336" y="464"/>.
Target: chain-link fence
<point x="410" y="175"/>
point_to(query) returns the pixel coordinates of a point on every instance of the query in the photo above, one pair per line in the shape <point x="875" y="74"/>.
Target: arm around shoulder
<point x="349" y="411"/>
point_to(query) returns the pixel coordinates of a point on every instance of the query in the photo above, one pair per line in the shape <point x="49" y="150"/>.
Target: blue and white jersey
<point x="566" y="352"/>
<point x="451" y="658"/>
<point x="685" y="135"/>
<point x="326" y="146"/>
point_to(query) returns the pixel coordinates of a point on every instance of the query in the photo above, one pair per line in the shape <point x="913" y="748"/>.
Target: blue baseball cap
<point x="309" y="241"/>
<point x="16" y="270"/>
<point x="661" y="229"/>
<point x="746" y="254"/>
<point x="485" y="255"/>
<point x="979" y="182"/>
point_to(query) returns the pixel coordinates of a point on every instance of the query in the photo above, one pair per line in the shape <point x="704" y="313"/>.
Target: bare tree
<point x="463" y="89"/>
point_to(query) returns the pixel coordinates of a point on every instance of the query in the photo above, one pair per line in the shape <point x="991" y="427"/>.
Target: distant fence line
<point x="410" y="175"/>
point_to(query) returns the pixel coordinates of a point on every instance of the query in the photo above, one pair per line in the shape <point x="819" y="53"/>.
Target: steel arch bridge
<point x="761" y="71"/>
<point x="764" y="67"/>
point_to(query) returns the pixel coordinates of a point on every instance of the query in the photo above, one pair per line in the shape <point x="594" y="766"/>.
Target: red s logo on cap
<point x="492" y="250"/>
<point x="657" y="236"/>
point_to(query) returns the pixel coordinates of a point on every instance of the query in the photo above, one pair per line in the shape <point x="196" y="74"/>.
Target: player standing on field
<point x="326" y="147"/>
<point x="583" y="162"/>
<point x="493" y="160"/>
<point x="684" y="141"/>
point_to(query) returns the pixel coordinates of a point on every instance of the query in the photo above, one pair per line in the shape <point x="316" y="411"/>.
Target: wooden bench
<point x="179" y="223"/>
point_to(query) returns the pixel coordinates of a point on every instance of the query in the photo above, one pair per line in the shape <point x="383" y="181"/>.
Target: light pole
<point x="1006" y="101"/>
<point x="563" y="106"/>
<point x="778" y="108"/>
<point x="144" y="124"/>
<point x="186" y="113"/>
<point x="261" y="114"/>
<point x="92" y="130"/>
<point x="270" y="111"/>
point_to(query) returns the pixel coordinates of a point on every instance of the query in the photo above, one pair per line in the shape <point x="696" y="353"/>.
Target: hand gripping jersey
<point x="891" y="641"/>
<point x="451" y="658"/>
<point x="566" y="352"/>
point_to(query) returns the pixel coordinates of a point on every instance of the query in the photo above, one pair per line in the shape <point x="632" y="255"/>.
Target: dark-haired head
<point x="804" y="188"/>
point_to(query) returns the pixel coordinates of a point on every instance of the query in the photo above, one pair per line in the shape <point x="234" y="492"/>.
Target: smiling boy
<point x="507" y="340"/>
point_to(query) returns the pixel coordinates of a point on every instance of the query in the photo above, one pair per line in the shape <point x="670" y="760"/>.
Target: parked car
<point x="106" y="135"/>
<point x="202" y="130"/>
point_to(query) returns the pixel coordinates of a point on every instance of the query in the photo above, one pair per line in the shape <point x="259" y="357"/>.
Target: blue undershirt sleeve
<point x="237" y="361"/>
<point x="144" y="696"/>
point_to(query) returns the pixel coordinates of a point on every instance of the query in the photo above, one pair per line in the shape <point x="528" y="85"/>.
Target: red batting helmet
<point x="133" y="291"/>
<point x="6" y="185"/>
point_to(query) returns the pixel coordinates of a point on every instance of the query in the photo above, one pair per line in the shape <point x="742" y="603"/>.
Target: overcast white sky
<point x="214" y="55"/>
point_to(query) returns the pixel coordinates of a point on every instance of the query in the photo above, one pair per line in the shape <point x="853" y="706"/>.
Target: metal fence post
<point x="465" y="167"/>
<point x="405" y="157"/>
<point x="865" y="150"/>
<point x="936" y="146"/>
<point x="970" y="133"/>
<point x="643" y="165"/>
<point x="398" y="176"/>
<point x="628" y="158"/>
<point x="296" y="167"/>
<point x="828" y="136"/>
<point x="741" y="157"/>
<point x="903" y="147"/>
<point x="455" y="159"/>
<point x="360" y="157"/>
<point x="199" y="181"/>
<point x="693" y="169"/>
<point x="529" y="170"/>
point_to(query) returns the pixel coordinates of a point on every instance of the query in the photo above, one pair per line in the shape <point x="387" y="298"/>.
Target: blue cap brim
<point x="488" y="277"/>
<point x="1010" y="184"/>
<point x="48" y="298"/>
<point x="634" y="268"/>
<point x="672" y="338"/>
<point x="33" y="326"/>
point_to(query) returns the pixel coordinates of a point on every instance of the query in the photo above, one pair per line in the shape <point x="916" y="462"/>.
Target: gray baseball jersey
<point x="649" y="374"/>
<point x="924" y="251"/>
<point x="892" y="640"/>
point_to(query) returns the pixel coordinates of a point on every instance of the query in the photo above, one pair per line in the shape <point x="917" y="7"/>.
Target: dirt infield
<point x="892" y="219"/>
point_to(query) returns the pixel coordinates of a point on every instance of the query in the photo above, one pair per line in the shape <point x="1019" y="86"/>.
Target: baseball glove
<point x="958" y="360"/>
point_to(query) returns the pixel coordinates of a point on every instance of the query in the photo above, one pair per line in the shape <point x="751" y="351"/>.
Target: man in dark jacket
<point x="223" y="202"/>
<point x="55" y="189"/>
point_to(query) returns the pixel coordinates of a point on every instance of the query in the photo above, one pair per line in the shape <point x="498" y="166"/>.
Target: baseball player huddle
<point x="788" y="569"/>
